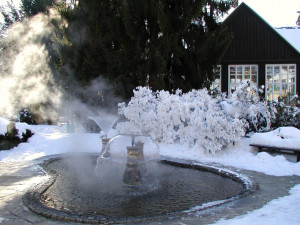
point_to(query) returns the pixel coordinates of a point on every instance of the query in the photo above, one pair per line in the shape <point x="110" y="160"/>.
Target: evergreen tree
<point x="165" y="44"/>
<point x="10" y="14"/>
<point x="28" y="8"/>
<point x="33" y="7"/>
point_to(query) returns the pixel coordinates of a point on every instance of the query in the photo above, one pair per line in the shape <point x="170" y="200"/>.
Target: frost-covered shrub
<point x="25" y="116"/>
<point x="246" y="102"/>
<point x="286" y="115"/>
<point x="13" y="134"/>
<point x="192" y="118"/>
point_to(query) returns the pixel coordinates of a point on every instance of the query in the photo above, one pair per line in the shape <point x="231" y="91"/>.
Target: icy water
<point x="79" y="189"/>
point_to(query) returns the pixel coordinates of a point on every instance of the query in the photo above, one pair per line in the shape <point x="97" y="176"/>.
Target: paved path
<point x="17" y="177"/>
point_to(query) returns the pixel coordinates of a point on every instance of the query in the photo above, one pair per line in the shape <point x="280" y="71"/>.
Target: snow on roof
<point x="291" y="34"/>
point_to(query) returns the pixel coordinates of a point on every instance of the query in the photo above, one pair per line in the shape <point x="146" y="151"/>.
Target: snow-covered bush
<point x="11" y="134"/>
<point x="246" y="102"/>
<point x="286" y="115"/>
<point x="192" y="118"/>
<point x="25" y="116"/>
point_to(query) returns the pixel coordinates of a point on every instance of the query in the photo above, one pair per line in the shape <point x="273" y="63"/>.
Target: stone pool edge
<point x="32" y="200"/>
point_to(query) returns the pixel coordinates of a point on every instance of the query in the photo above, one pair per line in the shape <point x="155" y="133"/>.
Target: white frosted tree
<point x="192" y="118"/>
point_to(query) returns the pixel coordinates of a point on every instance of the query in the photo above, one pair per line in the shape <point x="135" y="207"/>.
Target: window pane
<point x="254" y="70"/>
<point x="247" y="77"/>
<point x="239" y="79"/>
<point x="284" y="89"/>
<point x="254" y="79"/>
<point x="232" y="79"/>
<point x="217" y="72"/>
<point x="239" y="70"/>
<point x="276" y="74"/>
<point x="292" y="89"/>
<point x="284" y="71"/>
<point x="269" y="78"/>
<point x="269" y="69"/>
<point x="232" y="70"/>
<point x="270" y="88"/>
<point x="291" y="69"/>
<point x="276" y="91"/>
<point x="292" y="74"/>
<point x="247" y="70"/>
<point x="269" y="74"/>
<point x="269" y="96"/>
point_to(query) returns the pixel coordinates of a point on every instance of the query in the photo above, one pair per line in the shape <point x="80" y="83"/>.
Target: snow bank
<point x="21" y="127"/>
<point x="241" y="156"/>
<point x="3" y="125"/>
<point x="51" y="140"/>
<point x="281" y="137"/>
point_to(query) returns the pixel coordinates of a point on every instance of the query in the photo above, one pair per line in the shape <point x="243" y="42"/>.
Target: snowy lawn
<point x="49" y="140"/>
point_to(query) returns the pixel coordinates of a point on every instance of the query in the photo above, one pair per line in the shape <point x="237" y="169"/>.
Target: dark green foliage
<point x="165" y="44"/>
<point x="33" y="7"/>
<point x="25" y="116"/>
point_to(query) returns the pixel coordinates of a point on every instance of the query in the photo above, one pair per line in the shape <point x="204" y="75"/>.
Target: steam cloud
<point x="28" y="80"/>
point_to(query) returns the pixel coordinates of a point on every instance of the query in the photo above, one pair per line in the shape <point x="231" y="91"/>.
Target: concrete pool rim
<point x="32" y="197"/>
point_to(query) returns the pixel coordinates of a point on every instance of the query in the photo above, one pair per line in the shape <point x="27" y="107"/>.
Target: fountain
<point x="127" y="158"/>
<point x="129" y="182"/>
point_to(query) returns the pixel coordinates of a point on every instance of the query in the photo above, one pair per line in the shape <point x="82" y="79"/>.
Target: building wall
<point x="255" y="42"/>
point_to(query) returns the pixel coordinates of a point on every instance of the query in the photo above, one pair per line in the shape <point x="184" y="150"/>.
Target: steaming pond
<point x="79" y="190"/>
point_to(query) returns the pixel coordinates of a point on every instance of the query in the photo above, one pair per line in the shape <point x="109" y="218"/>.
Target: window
<point x="217" y="81"/>
<point x="280" y="81"/>
<point x="239" y="73"/>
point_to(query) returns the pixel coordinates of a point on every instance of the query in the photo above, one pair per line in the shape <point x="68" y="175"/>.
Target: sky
<point x="277" y="13"/>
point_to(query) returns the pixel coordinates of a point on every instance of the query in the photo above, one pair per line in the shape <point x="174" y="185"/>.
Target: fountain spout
<point x="135" y="165"/>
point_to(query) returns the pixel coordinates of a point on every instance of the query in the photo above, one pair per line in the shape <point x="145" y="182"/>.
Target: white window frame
<point x="251" y="75"/>
<point x="280" y="83"/>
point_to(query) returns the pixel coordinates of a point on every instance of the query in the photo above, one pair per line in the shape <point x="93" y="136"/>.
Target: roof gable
<point x="254" y="39"/>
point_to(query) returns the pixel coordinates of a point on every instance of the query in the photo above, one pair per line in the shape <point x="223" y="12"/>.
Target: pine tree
<point x="164" y="44"/>
<point x="28" y="8"/>
<point x="33" y="7"/>
<point x="10" y="14"/>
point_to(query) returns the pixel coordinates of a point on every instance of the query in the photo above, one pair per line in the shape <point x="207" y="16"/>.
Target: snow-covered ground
<point x="49" y="140"/>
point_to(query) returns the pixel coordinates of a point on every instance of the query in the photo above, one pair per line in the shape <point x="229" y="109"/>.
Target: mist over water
<point x="27" y="79"/>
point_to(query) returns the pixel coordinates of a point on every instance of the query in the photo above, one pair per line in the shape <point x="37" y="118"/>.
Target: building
<point x="258" y="53"/>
